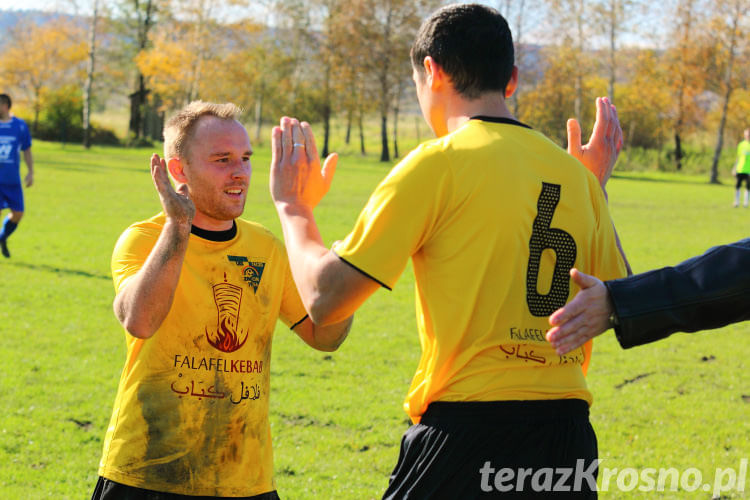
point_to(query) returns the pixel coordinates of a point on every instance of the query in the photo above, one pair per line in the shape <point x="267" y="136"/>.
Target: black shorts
<point x="740" y="178"/>
<point x="110" y="490"/>
<point x="498" y="449"/>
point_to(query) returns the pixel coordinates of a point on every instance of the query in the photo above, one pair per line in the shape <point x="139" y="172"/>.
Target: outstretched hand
<point x="176" y="204"/>
<point x="600" y="153"/>
<point x="296" y="175"/>
<point x="584" y="317"/>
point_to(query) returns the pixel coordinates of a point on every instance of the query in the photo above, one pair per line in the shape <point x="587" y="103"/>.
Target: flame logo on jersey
<point x="226" y="337"/>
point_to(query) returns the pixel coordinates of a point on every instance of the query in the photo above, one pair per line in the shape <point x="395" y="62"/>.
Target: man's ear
<point x="434" y="74"/>
<point x="176" y="169"/>
<point x="510" y="88"/>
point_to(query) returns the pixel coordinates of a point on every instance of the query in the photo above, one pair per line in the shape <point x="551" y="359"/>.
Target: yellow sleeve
<point x="608" y="262"/>
<point x="398" y="219"/>
<point x="292" y="311"/>
<point x="131" y="251"/>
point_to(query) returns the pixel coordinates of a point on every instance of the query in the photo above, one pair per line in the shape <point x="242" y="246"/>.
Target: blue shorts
<point x="11" y="196"/>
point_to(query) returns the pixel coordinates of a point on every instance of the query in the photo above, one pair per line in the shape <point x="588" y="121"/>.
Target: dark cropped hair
<point x="473" y="45"/>
<point x="6" y="99"/>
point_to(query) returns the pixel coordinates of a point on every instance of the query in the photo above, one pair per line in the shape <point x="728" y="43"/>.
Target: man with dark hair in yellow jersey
<point x="199" y="291"/>
<point x="493" y="216"/>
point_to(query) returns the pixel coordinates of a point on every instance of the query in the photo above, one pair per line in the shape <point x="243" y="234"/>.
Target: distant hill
<point x="9" y="18"/>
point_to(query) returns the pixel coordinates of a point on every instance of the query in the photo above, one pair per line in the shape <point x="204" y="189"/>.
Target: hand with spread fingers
<point x="603" y="148"/>
<point x="584" y="317"/>
<point x="177" y="204"/>
<point x="296" y="175"/>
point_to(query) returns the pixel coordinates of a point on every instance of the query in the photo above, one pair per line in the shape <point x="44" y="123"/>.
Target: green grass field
<point x="336" y="419"/>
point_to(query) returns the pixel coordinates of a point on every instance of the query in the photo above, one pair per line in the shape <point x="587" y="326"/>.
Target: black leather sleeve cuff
<point x="705" y="292"/>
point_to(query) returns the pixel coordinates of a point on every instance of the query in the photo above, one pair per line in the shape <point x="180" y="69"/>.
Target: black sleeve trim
<point x="299" y="322"/>
<point x="620" y="332"/>
<point x="364" y="273"/>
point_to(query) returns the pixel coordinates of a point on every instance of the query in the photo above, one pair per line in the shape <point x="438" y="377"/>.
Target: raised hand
<point x="142" y="304"/>
<point x="584" y="317"/>
<point x="177" y="205"/>
<point x="296" y="176"/>
<point x="600" y="153"/>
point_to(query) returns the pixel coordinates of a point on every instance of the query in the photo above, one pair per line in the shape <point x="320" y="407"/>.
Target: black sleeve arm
<point x="705" y="292"/>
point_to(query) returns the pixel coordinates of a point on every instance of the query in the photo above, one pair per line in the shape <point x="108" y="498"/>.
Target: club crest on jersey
<point x="252" y="272"/>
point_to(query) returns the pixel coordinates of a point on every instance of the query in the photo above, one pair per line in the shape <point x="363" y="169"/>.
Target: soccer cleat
<point x="4" y="248"/>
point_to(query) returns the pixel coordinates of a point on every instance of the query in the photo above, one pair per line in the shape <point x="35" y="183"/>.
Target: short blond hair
<point x="179" y="128"/>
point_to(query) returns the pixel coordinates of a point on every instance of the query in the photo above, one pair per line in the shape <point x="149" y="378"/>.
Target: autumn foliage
<point x="677" y="72"/>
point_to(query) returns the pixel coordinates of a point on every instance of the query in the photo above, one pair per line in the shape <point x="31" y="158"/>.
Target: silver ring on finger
<point x="298" y="145"/>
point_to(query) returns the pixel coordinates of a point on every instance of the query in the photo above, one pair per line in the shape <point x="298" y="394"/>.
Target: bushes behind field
<point x="697" y="159"/>
<point x="73" y="133"/>
<point x="61" y="120"/>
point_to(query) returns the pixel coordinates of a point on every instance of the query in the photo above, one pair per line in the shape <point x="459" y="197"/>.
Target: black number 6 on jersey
<point x="564" y="246"/>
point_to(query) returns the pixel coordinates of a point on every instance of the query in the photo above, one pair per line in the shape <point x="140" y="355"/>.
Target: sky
<point x="534" y="26"/>
<point x="67" y="6"/>
<point x="29" y="4"/>
<point x="46" y="5"/>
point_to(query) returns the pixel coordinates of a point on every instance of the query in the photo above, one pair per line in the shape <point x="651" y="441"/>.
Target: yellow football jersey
<point x="743" y="157"/>
<point x="191" y="412"/>
<point x="493" y="215"/>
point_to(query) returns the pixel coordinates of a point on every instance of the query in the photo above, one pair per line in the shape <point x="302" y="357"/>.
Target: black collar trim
<point x="498" y="119"/>
<point x="215" y="235"/>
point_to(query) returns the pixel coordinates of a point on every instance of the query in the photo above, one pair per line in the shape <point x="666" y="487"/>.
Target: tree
<point x="136" y="19"/>
<point x="517" y="13"/>
<point x="388" y="27"/>
<point x="329" y="31"/>
<point x="182" y="64"/>
<point x="166" y="67"/>
<point x="557" y="95"/>
<point x="297" y="25"/>
<point x="570" y="24"/>
<point x="686" y="72"/>
<point x="727" y="25"/>
<point x="353" y="83"/>
<point x="90" y="77"/>
<point x="254" y="68"/>
<point x="200" y="35"/>
<point x="613" y="17"/>
<point x="738" y="111"/>
<point x="644" y="101"/>
<point x="39" y="58"/>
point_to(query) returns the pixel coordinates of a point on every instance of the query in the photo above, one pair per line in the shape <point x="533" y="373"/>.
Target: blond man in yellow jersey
<point x="199" y="291"/>
<point x="493" y="216"/>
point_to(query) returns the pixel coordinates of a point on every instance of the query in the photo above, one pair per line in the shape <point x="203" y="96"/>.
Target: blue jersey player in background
<point x="14" y="139"/>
